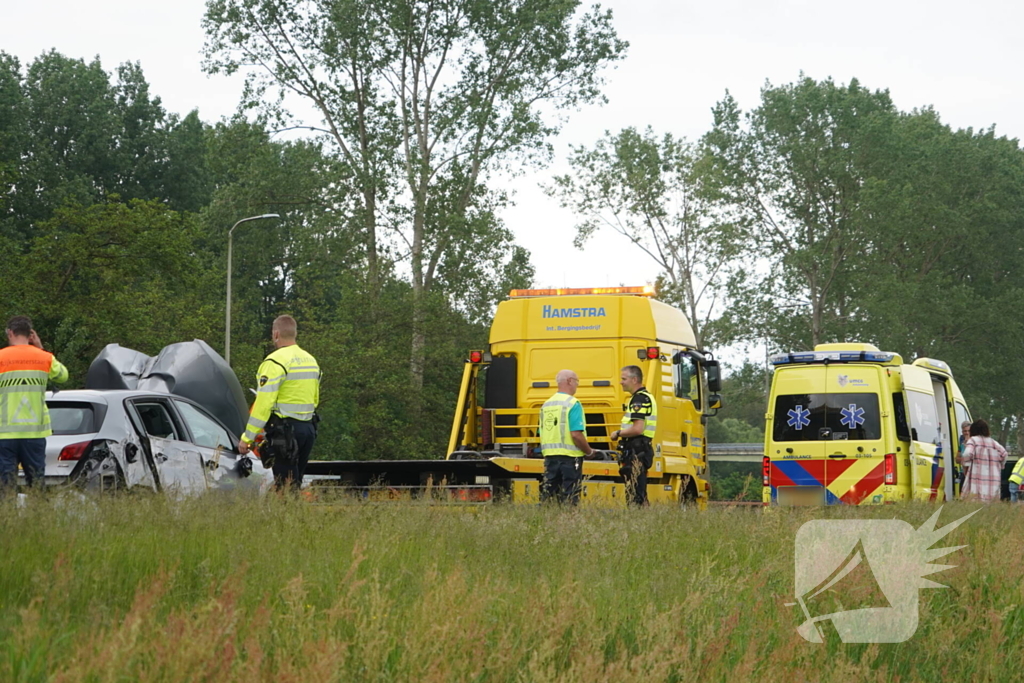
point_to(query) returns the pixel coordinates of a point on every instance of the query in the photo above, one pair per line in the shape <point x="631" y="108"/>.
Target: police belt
<point x="636" y="444"/>
<point x="280" y="443"/>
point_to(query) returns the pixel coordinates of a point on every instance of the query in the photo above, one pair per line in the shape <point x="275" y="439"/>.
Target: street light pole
<point x="227" y="310"/>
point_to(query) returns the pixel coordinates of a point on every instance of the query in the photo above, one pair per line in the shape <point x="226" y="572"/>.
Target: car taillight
<point x="766" y="470"/>
<point x="74" y="451"/>
<point x="890" y="469"/>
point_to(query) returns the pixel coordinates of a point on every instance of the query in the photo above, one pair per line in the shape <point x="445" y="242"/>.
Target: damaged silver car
<point x="168" y="423"/>
<point x="124" y="439"/>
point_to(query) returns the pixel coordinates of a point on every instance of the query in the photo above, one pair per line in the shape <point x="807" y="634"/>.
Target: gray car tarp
<point x="189" y="369"/>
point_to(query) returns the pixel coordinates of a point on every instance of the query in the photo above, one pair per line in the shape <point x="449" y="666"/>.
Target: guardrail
<point x="735" y="452"/>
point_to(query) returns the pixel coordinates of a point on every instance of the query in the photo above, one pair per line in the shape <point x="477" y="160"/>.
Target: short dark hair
<point x="979" y="428"/>
<point x="635" y="372"/>
<point x="20" y="325"/>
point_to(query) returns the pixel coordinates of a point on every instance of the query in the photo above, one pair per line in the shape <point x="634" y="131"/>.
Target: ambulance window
<point x="961" y="416"/>
<point x="924" y="423"/>
<point x="899" y="409"/>
<point x="827" y="417"/>
<point x="799" y="417"/>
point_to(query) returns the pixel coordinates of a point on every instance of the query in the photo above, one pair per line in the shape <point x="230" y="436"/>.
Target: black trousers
<point x="633" y="469"/>
<point x="290" y="472"/>
<point x="563" y="477"/>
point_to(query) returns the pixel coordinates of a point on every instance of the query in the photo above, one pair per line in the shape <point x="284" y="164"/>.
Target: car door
<point x="217" y="447"/>
<point x="179" y="464"/>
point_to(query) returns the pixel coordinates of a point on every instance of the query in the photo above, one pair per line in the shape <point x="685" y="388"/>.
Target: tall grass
<point x="226" y="589"/>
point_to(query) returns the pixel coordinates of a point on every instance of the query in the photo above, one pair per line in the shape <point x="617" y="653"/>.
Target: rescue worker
<point x="1016" y="479"/>
<point x="563" y="441"/>
<point x="24" y="420"/>
<point x="637" y="431"/>
<point x="285" y="406"/>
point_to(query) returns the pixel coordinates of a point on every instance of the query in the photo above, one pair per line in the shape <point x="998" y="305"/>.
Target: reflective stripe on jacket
<point x="1017" y="476"/>
<point x="555" y="435"/>
<point x="289" y="386"/>
<point x="24" y="370"/>
<point x="650" y="421"/>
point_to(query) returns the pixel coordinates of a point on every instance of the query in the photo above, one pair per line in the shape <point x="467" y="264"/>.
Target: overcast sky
<point x="962" y="58"/>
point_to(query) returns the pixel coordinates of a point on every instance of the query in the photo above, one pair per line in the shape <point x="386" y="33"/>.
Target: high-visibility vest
<point x="289" y="386"/>
<point x="1017" y="476"/>
<point x="555" y="435"/>
<point x="650" y="421"/>
<point x="24" y="370"/>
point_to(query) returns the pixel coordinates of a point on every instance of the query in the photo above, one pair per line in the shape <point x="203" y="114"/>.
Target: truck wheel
<point x="687" y="492"/>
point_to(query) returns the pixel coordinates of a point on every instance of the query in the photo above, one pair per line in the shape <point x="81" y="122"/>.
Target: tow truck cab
<point x="594" y="332"/>
<point x="849" y="424"/>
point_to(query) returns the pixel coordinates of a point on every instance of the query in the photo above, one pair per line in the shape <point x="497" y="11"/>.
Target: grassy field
<point x="218" y="589"/>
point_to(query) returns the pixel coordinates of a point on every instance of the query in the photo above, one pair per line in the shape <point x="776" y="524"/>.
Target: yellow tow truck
<point x="493" y="450"/>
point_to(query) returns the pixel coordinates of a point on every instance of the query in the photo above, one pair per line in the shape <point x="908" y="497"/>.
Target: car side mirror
<point x="714" y="376"/>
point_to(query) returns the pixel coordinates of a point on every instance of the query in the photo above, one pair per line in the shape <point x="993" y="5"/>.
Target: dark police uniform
<point x="637" y="453"/>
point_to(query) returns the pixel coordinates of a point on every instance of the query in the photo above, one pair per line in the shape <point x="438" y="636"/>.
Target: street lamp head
<point x="251" y="218"/>
<point x="227" y="307"/>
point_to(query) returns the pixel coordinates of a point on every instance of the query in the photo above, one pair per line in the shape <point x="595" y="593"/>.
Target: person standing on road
<point x="637" y="432"/>
<point x="24" y="420"/>
<point x="563" y="441"/>
<point x="285" y="407"/>
<point x="985" y="459"/>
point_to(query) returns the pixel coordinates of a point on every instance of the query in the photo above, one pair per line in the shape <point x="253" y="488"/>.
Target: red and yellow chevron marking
<point x="846" y="481"/>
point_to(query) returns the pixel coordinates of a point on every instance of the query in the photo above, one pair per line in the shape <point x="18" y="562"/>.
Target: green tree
<point x="793" y="170"/>
<point x="649" y="190"/>
<point x="111" y="273"/>
<point x="421" y="101"/>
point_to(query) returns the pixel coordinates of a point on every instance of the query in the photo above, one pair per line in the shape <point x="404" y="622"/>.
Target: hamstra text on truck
<point x="493" y="450"/>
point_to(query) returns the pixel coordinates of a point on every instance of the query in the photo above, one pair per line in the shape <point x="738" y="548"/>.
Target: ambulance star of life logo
<point x="853" y="416"/>
<point x="861" y="577"/>
<point x="799" y="417"/>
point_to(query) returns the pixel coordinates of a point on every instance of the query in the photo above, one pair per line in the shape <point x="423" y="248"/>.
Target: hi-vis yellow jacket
<point x="289" y="386"/>
<point x="24" y="370"/>
<point x="555" y="431"/>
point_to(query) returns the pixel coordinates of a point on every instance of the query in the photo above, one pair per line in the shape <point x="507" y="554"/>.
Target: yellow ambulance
<point x="848" y="424"/>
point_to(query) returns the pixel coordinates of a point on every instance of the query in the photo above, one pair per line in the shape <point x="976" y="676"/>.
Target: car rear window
<point x="68" y="418"/>
<point x="827" y="417"/>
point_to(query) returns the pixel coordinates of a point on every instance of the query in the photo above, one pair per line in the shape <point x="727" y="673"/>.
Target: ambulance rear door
<point x="926" y="470"/>
<point x="854" y="451"/>
<point x="795" y="423"/>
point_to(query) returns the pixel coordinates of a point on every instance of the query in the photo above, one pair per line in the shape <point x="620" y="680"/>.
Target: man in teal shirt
<point x="563" y="441"/>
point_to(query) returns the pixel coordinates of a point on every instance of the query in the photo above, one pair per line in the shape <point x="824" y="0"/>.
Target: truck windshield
<point x="827" y="417"/>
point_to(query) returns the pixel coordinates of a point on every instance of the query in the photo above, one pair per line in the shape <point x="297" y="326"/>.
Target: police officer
<point x="637" y="431"/>
<point x="285" y="407"/>
<point x="24" y="420"/>
<point x="563" y="441"/>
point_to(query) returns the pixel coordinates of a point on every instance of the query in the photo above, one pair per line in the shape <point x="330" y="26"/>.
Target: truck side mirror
<point x="714" y="402"/>
<point x="714" y="376"/>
